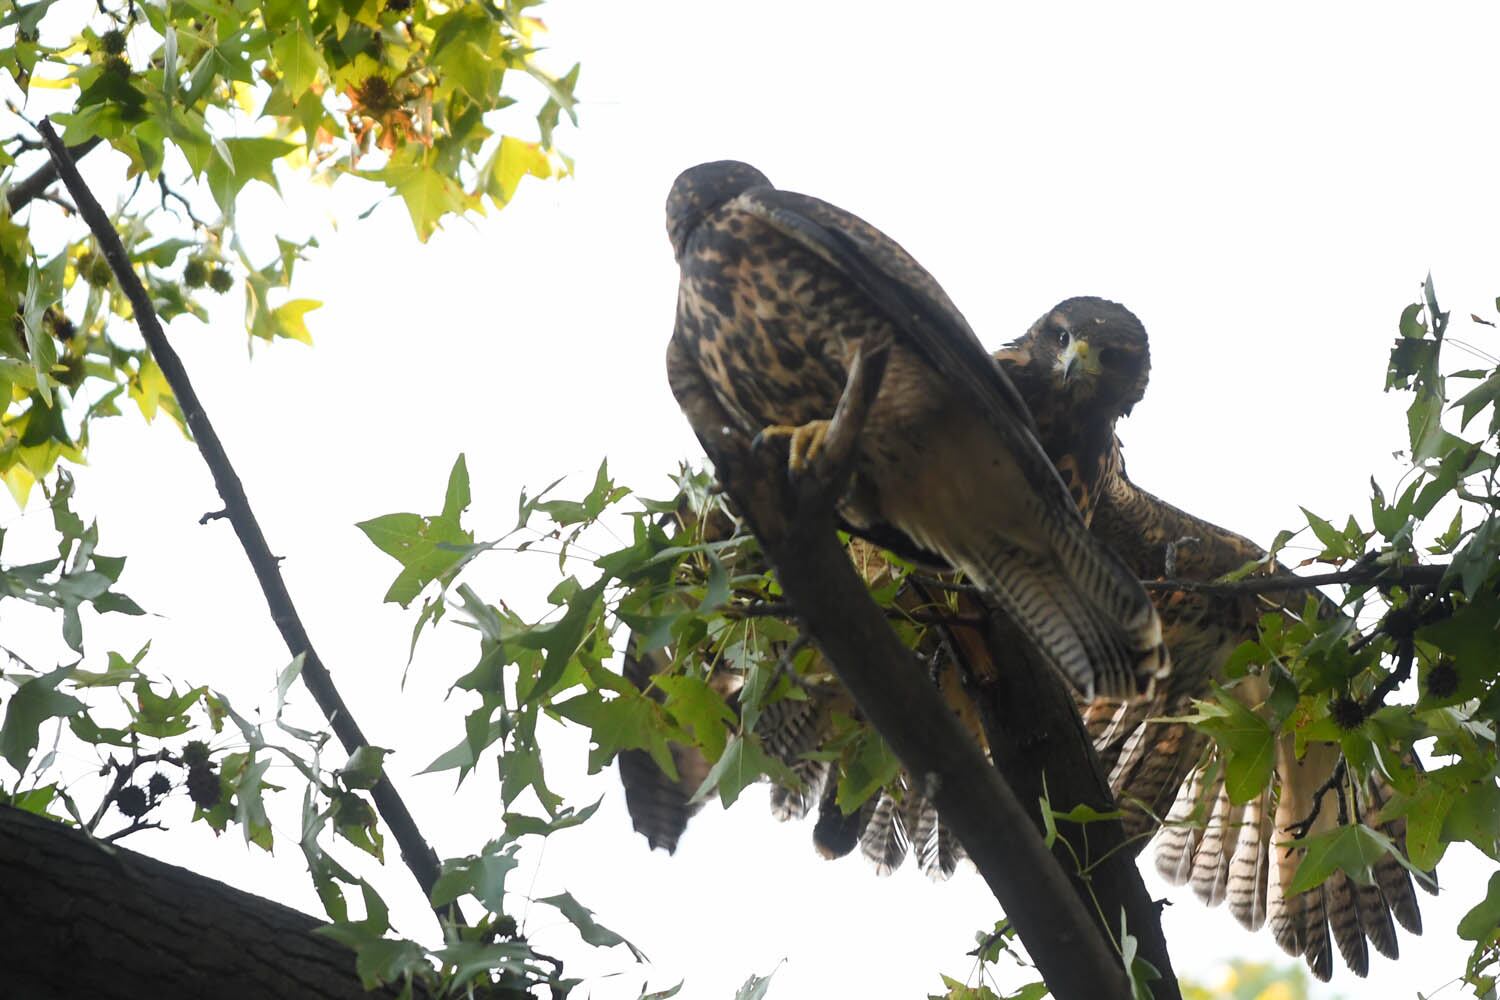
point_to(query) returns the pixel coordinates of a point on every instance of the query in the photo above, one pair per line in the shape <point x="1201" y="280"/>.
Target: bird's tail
<point x="1240" y="853"/>
<point x="659" y="806"/>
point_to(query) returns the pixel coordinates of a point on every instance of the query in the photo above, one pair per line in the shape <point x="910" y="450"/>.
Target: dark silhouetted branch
<point x="30" y="188"/>
<point x="419" y="857"/>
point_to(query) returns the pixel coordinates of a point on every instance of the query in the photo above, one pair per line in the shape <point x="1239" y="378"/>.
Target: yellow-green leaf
<point x="299" y="60"/>
<point x="514" y="160"/>
<point x="148" y="388"/>
<point x="290" y="320"/>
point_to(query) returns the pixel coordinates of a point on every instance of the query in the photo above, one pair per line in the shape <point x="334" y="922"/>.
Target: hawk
<point x="1082" y="366"/>
<point x="796" y="319"/>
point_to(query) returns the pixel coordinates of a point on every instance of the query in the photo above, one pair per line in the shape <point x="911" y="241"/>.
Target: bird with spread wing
<point x="1163" y="768"/>
<point x="1081" y="367"/>
<point x="797" y="319"/>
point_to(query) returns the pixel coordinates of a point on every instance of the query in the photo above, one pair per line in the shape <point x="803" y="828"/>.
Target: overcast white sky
<point x="1264" y="187"/>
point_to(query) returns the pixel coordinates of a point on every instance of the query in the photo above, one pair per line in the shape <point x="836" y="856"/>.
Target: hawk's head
<point x="699" y="190"/>
<point x="1094" y="352"/>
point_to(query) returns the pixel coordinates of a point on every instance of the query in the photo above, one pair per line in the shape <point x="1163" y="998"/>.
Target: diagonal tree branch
<point x="799" y="537"/>
<point x="1038" y="743"/>
<point x="419" y="857"/>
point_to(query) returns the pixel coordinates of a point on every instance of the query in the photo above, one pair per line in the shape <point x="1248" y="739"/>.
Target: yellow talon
<point x="805" y="442"/>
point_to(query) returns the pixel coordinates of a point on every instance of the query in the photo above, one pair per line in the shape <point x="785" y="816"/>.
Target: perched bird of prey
<point x="789" y="310"/>
<point x="1082" y="366"/>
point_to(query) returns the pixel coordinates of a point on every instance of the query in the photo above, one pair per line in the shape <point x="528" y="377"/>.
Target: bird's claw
<point x="804" y="444"/>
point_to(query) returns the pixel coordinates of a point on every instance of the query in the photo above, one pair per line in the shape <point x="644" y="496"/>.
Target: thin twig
<point x="418" y="855"/>
<point x="1403" y="576"/>
<point x="166" y="192"/>
<point x="58" y="200"/>
<point x="136" y="826"/>
<point x="1300" y="828"/>
<point x="943" y="583"/>
<point x="783" y="609"/>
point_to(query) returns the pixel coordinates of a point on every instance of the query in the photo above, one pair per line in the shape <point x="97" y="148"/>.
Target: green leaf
<point x="428" y="548"/>
<point x="250" y="810"/>
<point x="429" y="193"/>
<point x="1475" y="817"/>
<point x="1412" y="326"/>
<point x="869" y="766"/>
<point x="1354" y="849"/>
<point x="754" y="988"/>
<point x="512" y="161"/>
<point x="1424" y="822"/>
<point x="741" y="763"/>
<point x="589" y="929"/>
<point x="364" y="767"/>
<point x="241" y="161"/>
<point x="625" y="722"/>
<point x="35" y="701"/>
<point x="699" y="709"/>
<point x="1479" y="923"/>
<point x="286" y="678"/>
<point x="298" y="59"/>
<point x="1250" y="747"/>
<point x="482" y="877"/>
<point x="560" y="639"/>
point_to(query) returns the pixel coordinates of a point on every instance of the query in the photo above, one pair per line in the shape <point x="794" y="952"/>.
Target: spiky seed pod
<point x="203" y="785"/>
<point x="159" y="785"/>
<point x="1346" y="713"/>
<point x="113" y="41"/>
<point x="376" y="96"/>
<point x="1442" y="679"/>
<point x="99" y="273"/>
<point x="195" y="752"/>
<point x="221" y="280"/>
<point x="131" y="800"/>
<point x="117" y="66"/>
<point x="195" y="273"/>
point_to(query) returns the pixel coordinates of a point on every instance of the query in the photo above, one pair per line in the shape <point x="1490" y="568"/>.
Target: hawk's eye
<point x="1062" y="336"/>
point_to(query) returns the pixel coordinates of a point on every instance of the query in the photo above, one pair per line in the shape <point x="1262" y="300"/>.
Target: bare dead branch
<point x="419" y="857"/>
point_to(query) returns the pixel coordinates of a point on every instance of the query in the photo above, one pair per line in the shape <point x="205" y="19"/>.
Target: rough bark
<point x="1038" y="741"/>
<point x="83" y="919"/>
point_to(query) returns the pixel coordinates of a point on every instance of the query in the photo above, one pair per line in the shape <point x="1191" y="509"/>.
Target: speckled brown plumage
<point x="1160" y="769"/>
<point x="781" y="297"/>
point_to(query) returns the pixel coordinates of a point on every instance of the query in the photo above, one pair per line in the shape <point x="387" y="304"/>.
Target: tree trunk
<point x="79" y="918"/>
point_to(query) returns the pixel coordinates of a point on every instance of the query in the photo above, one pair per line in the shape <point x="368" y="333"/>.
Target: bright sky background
<point x="1265" y="191"/>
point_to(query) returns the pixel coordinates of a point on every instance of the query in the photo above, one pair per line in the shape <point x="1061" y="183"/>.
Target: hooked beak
<point x="1076" y="360"/>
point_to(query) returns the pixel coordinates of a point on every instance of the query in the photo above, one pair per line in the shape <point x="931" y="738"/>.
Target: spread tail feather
<point x="884" y="842"/>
